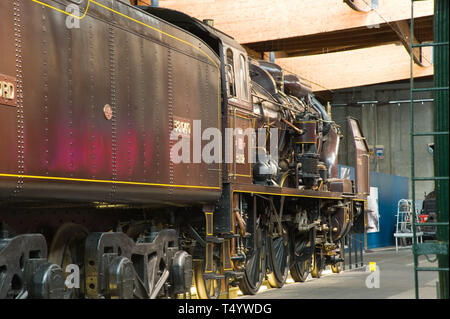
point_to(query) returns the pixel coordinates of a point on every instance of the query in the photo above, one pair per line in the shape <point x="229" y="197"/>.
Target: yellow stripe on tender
<point x="69" y="179"/>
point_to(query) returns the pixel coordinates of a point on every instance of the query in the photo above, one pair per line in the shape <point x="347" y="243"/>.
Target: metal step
<point x="229" y="235"/>
<point x="234" y="274"/>
<point x="212" y="276"/>
<point x="214" y="239"/>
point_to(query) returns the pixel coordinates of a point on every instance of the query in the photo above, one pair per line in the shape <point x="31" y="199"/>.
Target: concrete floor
<point x="396" y="280"/>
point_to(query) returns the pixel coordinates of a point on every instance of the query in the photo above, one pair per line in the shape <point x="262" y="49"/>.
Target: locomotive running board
<point x="278" y="191"/>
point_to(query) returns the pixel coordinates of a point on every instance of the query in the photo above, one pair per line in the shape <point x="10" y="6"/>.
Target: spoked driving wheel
<point x="277" y="241"/>
<point x="206" y="288"/>
<point x="255" y="265"/>
<point x="300" y="270"/>
<point x="279" y="260"/>
<point x="301" y="256"/>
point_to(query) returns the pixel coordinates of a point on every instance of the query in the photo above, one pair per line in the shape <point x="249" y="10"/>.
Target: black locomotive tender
<point x="86" y="180"/>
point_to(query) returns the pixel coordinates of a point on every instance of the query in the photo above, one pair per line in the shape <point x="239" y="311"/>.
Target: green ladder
<point x="441" y="148"/>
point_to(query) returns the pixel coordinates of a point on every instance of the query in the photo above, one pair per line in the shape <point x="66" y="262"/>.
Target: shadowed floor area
<point x="396" y="280"/>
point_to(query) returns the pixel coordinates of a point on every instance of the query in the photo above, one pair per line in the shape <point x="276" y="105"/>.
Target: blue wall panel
<point x="391" y="188"/>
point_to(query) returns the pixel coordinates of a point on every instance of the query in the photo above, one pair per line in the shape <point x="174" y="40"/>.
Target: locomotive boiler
<point x="97" y="102"/>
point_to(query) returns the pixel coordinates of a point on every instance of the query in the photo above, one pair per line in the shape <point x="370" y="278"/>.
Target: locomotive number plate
<point x="7" y="90"/>
<point x="181" y="126"/>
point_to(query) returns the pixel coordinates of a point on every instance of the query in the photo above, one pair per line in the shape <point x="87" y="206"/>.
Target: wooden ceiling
<point x="325" y="41"/>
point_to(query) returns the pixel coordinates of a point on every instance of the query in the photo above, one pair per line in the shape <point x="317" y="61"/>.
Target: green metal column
<point x="441" y="145"/>
<point x="441" y="149"/>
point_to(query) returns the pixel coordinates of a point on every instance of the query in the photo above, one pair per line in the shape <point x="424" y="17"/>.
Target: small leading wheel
<point x="279" y="259"/>
<point x="337" y="267"/>
<point x="316" y="265"/>
<point x="206" y="288"/>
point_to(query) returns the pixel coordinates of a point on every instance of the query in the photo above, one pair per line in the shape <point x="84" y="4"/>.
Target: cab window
<point x="229" y="73"/>
<point x="243" y="77"/>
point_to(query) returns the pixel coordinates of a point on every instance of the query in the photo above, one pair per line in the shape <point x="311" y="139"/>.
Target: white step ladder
<point x="404" y="222"/>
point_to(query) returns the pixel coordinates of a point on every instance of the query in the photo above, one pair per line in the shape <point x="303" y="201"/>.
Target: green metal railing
<point x="441" y="149"/>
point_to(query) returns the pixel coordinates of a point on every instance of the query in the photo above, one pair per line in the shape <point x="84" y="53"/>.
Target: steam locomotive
<point x="95" y="99"/>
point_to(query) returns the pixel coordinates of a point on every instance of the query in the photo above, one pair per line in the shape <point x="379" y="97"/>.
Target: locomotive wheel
<point x="300" y="270"/>
<point x="300" y="248"/>
<point x="255" y="267"/>
<point x="279" y="259"/>
<point x="336" y="268"/>
<point x="206" y="288"/>
<point x="316" y="265"/>
<point x="67" y="248"/>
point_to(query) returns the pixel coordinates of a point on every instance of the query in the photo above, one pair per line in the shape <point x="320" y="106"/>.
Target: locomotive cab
<point x="236" y="96"/>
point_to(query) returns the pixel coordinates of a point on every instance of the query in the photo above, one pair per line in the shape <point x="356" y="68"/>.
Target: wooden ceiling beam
<point x="342" y="34"/>
<point x="253" y="54"/>
<point x="292" y="54"/>
<point x="423" y="27"/>
<point x="345" y="39"/>
<point x="402" y="29"/>
<point x="385" y="34"/>
<point x="352" y="68"/>
<point x="373" y="40"/>
<point x="316" y="39"/>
